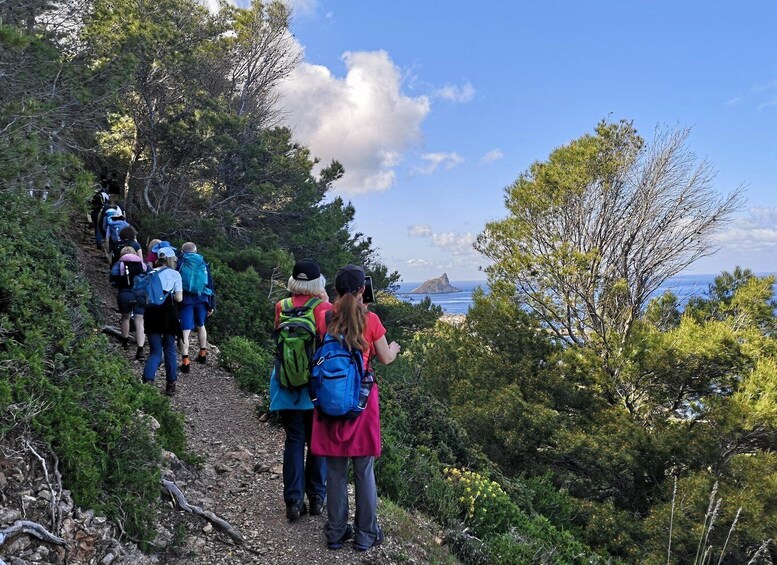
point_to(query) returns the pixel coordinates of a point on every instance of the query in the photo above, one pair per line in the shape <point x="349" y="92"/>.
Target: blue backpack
<point x="114" y="229"/>
<point x="148" y="288"/>
<point x="339" y="386"/>
<point x="194" y="274"/>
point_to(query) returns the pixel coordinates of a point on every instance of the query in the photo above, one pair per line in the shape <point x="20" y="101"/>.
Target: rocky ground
<point x="239" y="480"/>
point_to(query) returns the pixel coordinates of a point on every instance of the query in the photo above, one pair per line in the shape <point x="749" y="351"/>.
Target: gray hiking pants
<point x="366" y="519"/>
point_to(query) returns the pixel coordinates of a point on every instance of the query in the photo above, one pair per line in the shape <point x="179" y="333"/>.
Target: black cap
<point x="306" y="270"/>
<point x="349" y="279"/>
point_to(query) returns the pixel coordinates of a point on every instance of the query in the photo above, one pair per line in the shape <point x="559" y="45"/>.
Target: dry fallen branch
<point x="30" y="528"/>
<point x="112" y="331"/>
<point x="54" y="494"/>
<point x="171" y="489"/>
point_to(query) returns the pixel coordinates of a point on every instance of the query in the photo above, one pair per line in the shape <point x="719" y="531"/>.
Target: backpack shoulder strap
<point x="312" y="302"/>
<point x="286" y="303"/>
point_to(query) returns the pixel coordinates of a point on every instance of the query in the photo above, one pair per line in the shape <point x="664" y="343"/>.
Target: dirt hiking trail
<point x="240" y="477"/>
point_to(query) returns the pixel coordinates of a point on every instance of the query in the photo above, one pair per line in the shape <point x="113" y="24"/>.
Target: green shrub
<point x="539" y="495"/>
<point x="250" y="363"/>
<point x="534" y="540"/>
<point x="242" y="306"/>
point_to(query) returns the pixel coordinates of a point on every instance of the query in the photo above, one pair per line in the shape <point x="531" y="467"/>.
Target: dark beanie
<point x="349" y="279"/>
<point x="306" y="270"/>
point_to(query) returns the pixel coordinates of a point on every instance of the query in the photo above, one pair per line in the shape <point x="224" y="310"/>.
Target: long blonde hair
<point x="349" y="318"/>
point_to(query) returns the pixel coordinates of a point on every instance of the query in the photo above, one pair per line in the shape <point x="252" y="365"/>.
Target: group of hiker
<point x="322" y="386"/>
<point x="165" y="293"/>
<point x="329" y="404"/>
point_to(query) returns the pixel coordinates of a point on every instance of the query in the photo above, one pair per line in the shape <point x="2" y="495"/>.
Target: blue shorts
<point x="127" y="303"/>
<point x="193" y="315"/>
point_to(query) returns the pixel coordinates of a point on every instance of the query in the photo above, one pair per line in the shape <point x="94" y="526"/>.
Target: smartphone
<point x="368" y="295"/>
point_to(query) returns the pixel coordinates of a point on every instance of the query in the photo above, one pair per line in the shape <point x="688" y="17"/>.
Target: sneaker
<point x="125" y="341"/>
<point x="346" y="536"/>
<point x="170" y="389"/>
<point x="377" y="542"/>
<point x="316" y="504"/>
<point x="140" y="355"/>
<point x="185" y="366"/>
<point x="294" y="509"/>
<point x="202" y="358"/>
<point x="147" y="381"/>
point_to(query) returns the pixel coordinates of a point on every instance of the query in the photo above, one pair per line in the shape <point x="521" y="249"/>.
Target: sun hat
<point x="165" y="252"/>
<point x="160" y="245"/>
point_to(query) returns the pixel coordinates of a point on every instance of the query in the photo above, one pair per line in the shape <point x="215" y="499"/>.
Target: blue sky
<point x="434" y="108"/>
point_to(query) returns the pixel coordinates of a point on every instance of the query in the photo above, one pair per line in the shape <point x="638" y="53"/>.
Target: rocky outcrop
<point x="439" y="285"/>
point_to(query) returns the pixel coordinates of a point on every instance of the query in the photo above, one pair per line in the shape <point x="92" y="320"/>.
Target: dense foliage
<point x="61" y="382"/>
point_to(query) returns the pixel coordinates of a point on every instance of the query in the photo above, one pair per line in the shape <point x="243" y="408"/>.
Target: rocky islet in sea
<point x="440" y="285"/>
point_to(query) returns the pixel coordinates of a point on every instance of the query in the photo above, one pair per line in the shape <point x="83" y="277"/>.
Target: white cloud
<point x="764" y="216"/>
<point x="212" y="5"/>
<point x="755" y="232"/>
<point x="491" y="156"/>
<point x="419" y="231"/>
<point x="764" y="87"/>
<point x="363" y="120"/>
<point x="302" y="7"/>
<point x="298" y="7"/>
<point x="454" y="93"/>
<point x="416" y="263"/>
<point x="435" y="160"/>
<point x="760" y="95"/>
<point x="459" y="244"/>
<point x="768" y="104"/>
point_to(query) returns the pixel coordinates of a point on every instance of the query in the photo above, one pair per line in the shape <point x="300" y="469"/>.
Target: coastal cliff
<point x="439" y="285"/>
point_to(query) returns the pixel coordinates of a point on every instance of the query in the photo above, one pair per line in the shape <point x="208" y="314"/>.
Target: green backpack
<point x="295" y="341"/>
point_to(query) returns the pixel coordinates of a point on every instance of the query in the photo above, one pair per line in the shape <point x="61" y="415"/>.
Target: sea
<point x="683" y="286"/>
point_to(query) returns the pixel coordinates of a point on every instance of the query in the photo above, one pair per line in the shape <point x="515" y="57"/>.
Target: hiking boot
<point x="185" y="366"/>
<point x="294" y="509"/>
<point x="377" y="542"/>
<point x="316" y="505"/>
<point x="346" y="536"/>
<point x="125" y="341"/>
<point x="170" y="389"/>
<point x="202" y="358"/>
<point x="140" y="355"/>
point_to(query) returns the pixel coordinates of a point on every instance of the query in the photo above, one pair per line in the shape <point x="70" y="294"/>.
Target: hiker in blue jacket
<point x="113" y="226"/>
<point x="294" y="406"/>
<point x="198" y="303"/>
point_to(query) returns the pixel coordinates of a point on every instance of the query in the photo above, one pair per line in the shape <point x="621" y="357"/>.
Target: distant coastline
<point x="453" y="303"/>
<point x="457" y="304"/>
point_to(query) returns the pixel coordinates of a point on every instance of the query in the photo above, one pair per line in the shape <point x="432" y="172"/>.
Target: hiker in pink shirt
<point x="357" y="440"/>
